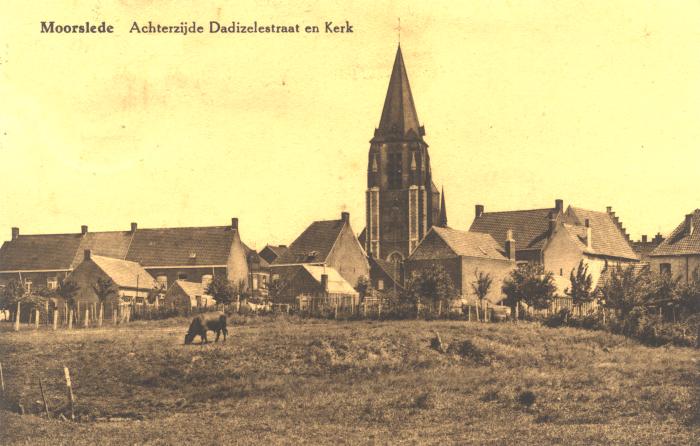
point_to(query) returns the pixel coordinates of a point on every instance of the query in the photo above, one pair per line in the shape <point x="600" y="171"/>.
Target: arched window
<point x="395" y="257"/>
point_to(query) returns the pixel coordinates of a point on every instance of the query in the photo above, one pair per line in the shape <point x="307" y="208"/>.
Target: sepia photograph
<point x="325" y="222"/>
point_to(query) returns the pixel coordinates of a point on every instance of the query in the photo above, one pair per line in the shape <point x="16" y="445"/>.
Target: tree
<point x="276" y="289"/>
<point x="581" y="286"/>
<point x="529" y="283"/>
<point x="432" y="284"/>
<point x="363" y="286"/>
<point x="625" y="290"/>
<point x="104" y="288"/>
<point x="221" y="290"/>
<point x="68" y="289"/>
<point x="10" y="295"/>
<point x="481" y="286"/>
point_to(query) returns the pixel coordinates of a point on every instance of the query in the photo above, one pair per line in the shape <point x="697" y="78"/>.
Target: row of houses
<point x="328" y="259"/>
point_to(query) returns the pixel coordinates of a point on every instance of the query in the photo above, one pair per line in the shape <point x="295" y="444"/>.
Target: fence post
<point x="86" y="322"/>
<point x="379" y="311"/>
<point x="19" y="308"/>
<point x="71" y="398"/>
<point x="36" y="319"/>
<point x="43" y="397"/>
<point x="70" y="319"/>
<point x="2" y="380"/>
<point x="55" y="320"/>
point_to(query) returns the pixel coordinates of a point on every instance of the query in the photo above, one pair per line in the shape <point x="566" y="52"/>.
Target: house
<point x="463" y="254"/>
<point x="183" y="296"/>
<point x="559" y="239"/>
<point x="644" y="247"/>
<point x="259" y="275"/>
<point x="270" y="253"/>
<point x="168" y="254"/>
<point x="329" y="243"/>
<point x="385" y="275"/>
<point x="134" y="283"/>
<point x="679" y="254"/>
<point x="318" y="282"/>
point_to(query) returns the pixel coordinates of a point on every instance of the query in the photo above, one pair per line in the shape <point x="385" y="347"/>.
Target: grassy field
<point x="321" y="382"/>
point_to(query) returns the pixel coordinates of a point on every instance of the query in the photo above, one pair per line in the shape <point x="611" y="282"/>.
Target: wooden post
<point x="487" y="316"/>
<point x="2" y="380"/>
<point x="101" y="316"/>
<point x="36" y="319"/>
<point x="336" y="308"/>
<point x="365" y="309"/>
<point x="19" y="309"/>
<point x="65" y="313"/>
<point x="77" y="313"/>
<point x="70" y="319"/>
<point x="469" y="313"/>
<point x="71" y="398"/>
<point x="379" y="311"/>
<point x="55" y="320"/>
<point x="114" y="316"/>
<point x="43" y="397"/>
<point x="86" y="322"/>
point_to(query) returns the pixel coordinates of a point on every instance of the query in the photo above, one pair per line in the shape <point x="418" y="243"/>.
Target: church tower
<point x="402" y="200"/>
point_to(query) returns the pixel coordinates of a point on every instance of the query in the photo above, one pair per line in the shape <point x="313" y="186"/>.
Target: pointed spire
<point x="442" y="221"/>
<point x="399" y="114"/>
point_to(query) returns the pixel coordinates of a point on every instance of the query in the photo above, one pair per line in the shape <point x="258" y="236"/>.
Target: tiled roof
<point x="125" y="273"/>
<point x="389" y="268"/>
<point x="608" y="239"/>
<point x="399" y="117"/>
<point x="272" y="252"/>
<point x="336" y="283"/>
<point x="150" y="247"/>
<point x="192" y="289"/>
<point x="107" y="244"/>
<point x="638" y="269"/>
<point x="680" y="242"/>
<point x="530" y="227"/>
<point x="314" y="244"/>
<point x="463" y="243"/>
<point x="182" y="246"/>
<point x="40" y="252"/>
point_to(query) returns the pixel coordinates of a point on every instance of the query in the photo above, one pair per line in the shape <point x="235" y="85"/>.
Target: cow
<point x="214" y="321"/>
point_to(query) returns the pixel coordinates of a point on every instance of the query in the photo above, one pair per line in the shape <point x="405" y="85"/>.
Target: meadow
<point x="282" y="380"/>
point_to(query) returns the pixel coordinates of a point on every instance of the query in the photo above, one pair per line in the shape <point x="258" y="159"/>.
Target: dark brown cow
<point x="215" y="321"/>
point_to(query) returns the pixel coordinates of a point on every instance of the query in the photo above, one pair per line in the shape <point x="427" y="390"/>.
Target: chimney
<point x="644" y="238"/>
<point x="234" y="223"/>
<point x="15" y="233"/>
<point x="324" y="283"/>
<point x="345" y="216"/>
<point x="283" y="246"/>
<point x="559" y="205"/>
<point x="589" y="234"/>
<point x="134" y="226"/>
<point x="689" y="224"/>
<point x="608" y="209"/>
<point x="83" y="229"/>
<point x="552" y="222"/>
<point x="510" y="245"/>
<point x="87" y="254"/>
<point x="478" y="210"/>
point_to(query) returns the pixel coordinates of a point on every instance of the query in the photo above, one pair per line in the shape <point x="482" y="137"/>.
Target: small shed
<point x="184" y="295"/>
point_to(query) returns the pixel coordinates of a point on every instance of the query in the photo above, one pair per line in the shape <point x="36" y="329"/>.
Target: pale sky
<point x="523" y="102"/>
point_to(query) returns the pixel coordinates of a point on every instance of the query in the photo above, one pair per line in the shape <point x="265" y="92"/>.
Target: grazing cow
<point x="215" y="321"/>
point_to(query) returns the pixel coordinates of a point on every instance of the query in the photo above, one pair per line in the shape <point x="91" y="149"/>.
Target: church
<point x="402" y="201"/>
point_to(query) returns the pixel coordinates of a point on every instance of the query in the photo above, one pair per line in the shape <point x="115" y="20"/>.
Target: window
<point x="28" y="285"/>
<point x="561" y="271"/>
<point x="162" y="282"/>
<point x="275" y="277"/>
<point x="665" y="269"/>
<point x="255" y="281"/>
<point x="394" y="171"/>
<point x="52" y="283"/>
<point x="380" y="284"/>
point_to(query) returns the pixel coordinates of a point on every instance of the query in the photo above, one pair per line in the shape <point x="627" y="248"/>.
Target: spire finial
<point x="399" y="30"/>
